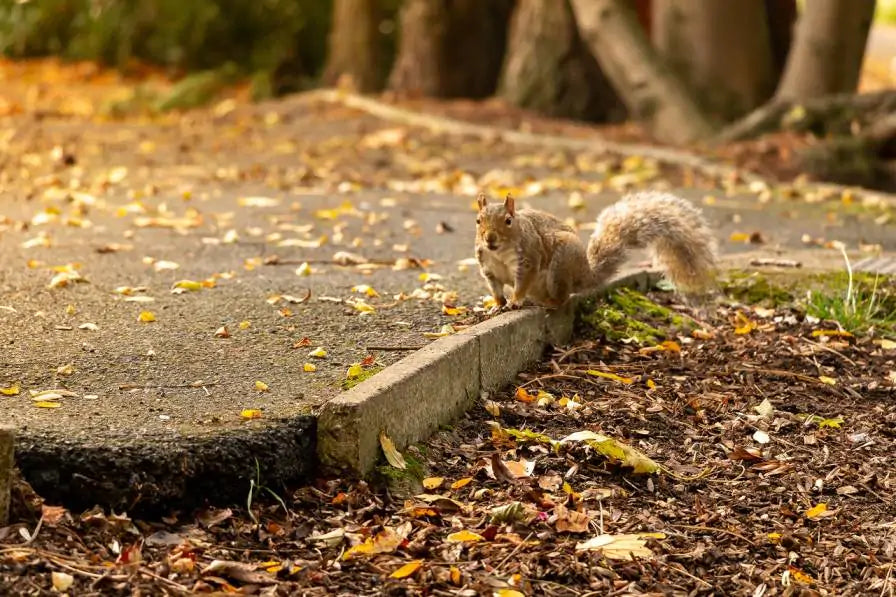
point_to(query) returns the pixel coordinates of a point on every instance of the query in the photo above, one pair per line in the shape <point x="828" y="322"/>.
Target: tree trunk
<point x="781" y="15"/>
<point x="548" y="68"/>
<point x="828" y="50"/>
<point x="722" y="50"/>
<point x="451" y="48"/>
<point x="653" y="95"/>
<point x="354" y="45"/>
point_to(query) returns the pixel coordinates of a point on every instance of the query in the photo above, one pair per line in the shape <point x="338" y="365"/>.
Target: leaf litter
<point x="646" y="488"/>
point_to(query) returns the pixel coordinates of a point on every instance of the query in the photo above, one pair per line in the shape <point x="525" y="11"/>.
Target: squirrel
<point x="544" y="260"/>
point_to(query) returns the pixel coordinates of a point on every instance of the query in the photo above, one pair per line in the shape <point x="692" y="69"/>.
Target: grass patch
<point x="858" y="303"/>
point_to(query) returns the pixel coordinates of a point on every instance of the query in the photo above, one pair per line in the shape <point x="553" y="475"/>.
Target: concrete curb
<point x="434" y="385"/>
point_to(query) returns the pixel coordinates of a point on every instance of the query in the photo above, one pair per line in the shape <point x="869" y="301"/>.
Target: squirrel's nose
<point x="491" y="239"/>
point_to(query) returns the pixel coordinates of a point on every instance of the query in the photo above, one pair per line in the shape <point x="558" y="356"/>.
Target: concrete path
<point x="99" y="221"/>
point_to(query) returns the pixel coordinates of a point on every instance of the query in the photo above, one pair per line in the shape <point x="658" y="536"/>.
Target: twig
<point x="760" y="261"/>
<point x="711" y="530"/>
<point x="685" y="572"/>
<point x="883" y="589"/>
<point x="514" y="551"/>
<point x="829" y="349"/>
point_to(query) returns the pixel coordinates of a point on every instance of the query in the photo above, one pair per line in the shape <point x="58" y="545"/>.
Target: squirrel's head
<point x="495" y="222"/>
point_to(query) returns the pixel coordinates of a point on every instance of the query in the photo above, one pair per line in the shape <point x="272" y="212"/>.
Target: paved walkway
<point x="99" y="221"/>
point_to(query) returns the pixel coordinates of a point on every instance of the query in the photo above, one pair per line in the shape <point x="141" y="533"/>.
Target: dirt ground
<point x="734" y="449"/>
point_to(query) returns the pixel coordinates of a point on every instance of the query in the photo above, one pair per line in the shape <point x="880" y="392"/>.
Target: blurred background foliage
<point x="281" y="39"/>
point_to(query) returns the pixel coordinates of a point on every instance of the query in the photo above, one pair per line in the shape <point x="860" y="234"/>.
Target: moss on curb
<point x="628" y="315"/>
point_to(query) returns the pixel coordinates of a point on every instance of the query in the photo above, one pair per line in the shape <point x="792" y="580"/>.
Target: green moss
<point x="629" y="315"/>
<point x="402" y="482"/>
<point x="348" y="384"/>
<point x="753" y="288"/>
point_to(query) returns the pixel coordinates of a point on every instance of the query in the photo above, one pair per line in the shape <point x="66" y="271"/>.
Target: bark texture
<point x="652" y="94"/>
<point x="548" y="68"/>
<point x="353" y="46"/>
<point x="450" y="48"/>
<point x="827" y="54"/>
<point x="721" y="50"/>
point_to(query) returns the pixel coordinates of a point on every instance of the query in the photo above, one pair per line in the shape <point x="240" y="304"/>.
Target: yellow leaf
<point x="827" y="380"/>
<point x="244" y="325"/>
<point x="774" y="537"/>
<point x="613" y="376"/>
<point x="508" y="593"/>
<point x="46" y="404"/>
<point x="10" y="391"/>
<point x="146" y="317"/>
<point x="834" y="333"/>
<point x="651" y="384"/>
<point x="817" y="510"/>
<point x="429" y="277"/>
<point x="364" y="307"/>
<point x="392" y="454"/>
<point x="743" y="325"/>
<point x="65" y="369"/>
<point x="887" y="344"/>
<point x="318" y="352"/>
<point x="365" y="289"/>
<point x="800" y="576"/>
<point x="667" y="346"/>
<point x="616" y="450"/>
<point x="407" y="570"/>
<point x="461" y="483"/>
<point x="309" y="367"/>
<point x="261" y="386"/>
<point x="739" y="237"/>
<point x="189" y="285"/>
<point x="354" y="371"/>
<point x="455" y="575"/>
<point x="250" y="413"/>
<point x="464" y="537"/>
<point x="452" y="311"/>
<point x="386" y="541"/>
<point x="303" y="270"/>
<point x="433" y="482"/>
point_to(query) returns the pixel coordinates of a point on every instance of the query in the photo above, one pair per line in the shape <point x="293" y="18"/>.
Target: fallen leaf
<point x="433" y="482"/>
<point x="886" y="344"/>
<point x="309" y="367"/>
<point x="800" y="576"/>
<point x="394" y="457"/>
<point x="303" y="270"/>
<point x="761" y="437"/>
<point x="185" y="286"/>
<point x="45" y="404"/>
<point x="244" y="325"/>
<point x="460" y="483"/>
<point x="523" y="396"/>
<point x="10" y="391"/>
<point x="386" y="541"/>
<point x="492" y="407"/>
<point x="613" y="376"/>
<point x="318" y="353"/>
<point x="765" y="408"/>
<point x="407" y="570"/>
<point x="621" y="547"/>
<point x="61" y="581"/>
<point x="65" y="369"/>
<point x="817" y="511"/>
<point x="222" y="332"/>
<point x="464" y="537"/>
<point x="250" y="413"/>
<point x="261" y="386"/>
<point x="146" y="317"/>
<point x="827" y="380"/>
<point x="570" y="521"/>
<point x="743" y="325"/>
<point x="354" y="371"/>
<point x="616" y="450"/>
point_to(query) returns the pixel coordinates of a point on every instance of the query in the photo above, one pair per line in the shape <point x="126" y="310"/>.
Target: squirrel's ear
<point x="509" y="205"/>
<point x="481" y="200"/>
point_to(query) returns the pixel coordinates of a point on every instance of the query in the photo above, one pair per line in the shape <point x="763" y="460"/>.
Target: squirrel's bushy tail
<point x="672" y="227"/>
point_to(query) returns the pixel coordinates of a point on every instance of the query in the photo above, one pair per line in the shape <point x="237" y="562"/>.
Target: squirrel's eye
<point x="478" y="220"/>
<point x="508" y="220"/>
